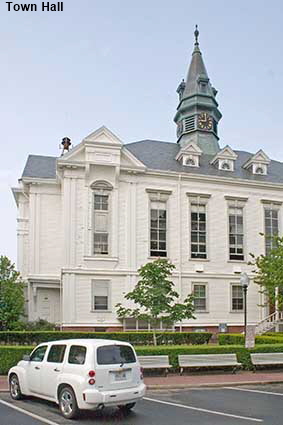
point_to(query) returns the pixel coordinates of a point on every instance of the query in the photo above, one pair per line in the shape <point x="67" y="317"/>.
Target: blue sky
<point x="118" y="63"/>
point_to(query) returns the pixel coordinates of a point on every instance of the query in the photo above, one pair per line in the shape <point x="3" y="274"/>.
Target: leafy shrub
<point x="239" y="339"/>
<point x="10" y="356"/>
<point x="231" y="339"/>
<point x="135" y="338"/>
<point x="173" y="352"/>
<point x="39" y="325"/>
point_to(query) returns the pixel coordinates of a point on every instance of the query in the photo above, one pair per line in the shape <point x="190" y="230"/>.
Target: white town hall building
<point x="89" y="219"/>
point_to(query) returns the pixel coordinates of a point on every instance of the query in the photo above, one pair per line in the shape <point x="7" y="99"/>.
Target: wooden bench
<point x="266" y="359"/>
<point x="208" y="360"/>
<point x="155" y="362"/>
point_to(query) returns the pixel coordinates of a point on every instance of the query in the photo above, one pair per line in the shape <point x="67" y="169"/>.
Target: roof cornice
<point x="37" y="180"/>
<point x="219" y="180"/>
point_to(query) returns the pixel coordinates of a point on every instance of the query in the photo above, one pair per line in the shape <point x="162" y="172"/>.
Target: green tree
<point x="11" y="295"/>
<point x="156" y="298"/>
<point x="269" y="271"/>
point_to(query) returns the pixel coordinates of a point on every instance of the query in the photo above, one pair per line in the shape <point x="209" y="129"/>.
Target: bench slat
<point x="154" y="362"/>
<point x="208" y="360"/>
<point x="267" y="358"/>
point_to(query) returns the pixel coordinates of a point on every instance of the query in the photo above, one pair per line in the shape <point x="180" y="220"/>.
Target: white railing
<point x="269" y="322"/>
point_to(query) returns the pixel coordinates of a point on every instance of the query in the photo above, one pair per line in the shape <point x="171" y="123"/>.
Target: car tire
<point x="68" y="403"/>
<point x="14" y="387"/>
<point x="127" y="407"/>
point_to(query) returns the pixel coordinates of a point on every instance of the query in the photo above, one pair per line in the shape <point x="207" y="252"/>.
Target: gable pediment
<point x="103" y="136"/>
<point x="100" y="147"/>
<point x="192" y="148"/>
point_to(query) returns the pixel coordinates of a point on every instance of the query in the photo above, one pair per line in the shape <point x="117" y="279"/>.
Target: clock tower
<point x="197" y="114"/>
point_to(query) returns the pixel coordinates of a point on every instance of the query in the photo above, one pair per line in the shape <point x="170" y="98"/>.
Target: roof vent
<point x="66" y="143"/>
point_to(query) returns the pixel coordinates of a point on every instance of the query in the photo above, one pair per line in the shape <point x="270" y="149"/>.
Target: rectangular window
<point x="115" y="354"/>
<point x="198" y="230"/>
<point x="271" y="220"/>
<point x="237" y="298"/>
<point x="199" y="292"/>
<point x="101" y="224"/>
<point x="56" y="354"/>
<point x="144" y="325"/>
<point x="100" y="295"/>
<point x="77" y="354"/>
<point x="236" y="232"/>
<point x="158" y="225"/>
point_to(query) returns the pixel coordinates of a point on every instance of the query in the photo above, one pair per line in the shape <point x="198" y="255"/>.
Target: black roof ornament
<point x="196" y="34"/>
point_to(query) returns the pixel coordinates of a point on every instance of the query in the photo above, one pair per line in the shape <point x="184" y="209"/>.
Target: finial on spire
<point x="196" y="34"/>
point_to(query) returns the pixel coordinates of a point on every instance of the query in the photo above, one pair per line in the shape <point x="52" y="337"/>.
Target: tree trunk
<point x="154" y="337"/>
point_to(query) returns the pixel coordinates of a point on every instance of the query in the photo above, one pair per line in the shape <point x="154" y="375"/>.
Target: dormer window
<point x="258" y="163"/>
<point x="259" y="170"/>
<point x="225" y="166"/>
<point x="189" y="155"/>
<point x="190" y="162"/>
<point x="225" y="159"/>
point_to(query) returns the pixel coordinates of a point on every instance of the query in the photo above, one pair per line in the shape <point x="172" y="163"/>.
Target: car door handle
<point x="37" y="367"/>
<point x="56" y="370"/>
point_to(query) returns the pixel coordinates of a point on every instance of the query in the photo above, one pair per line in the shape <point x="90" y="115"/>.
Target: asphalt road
<point x="202" y="406"/>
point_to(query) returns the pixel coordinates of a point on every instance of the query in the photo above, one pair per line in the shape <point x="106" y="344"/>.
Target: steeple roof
<point x="197" y="74"/>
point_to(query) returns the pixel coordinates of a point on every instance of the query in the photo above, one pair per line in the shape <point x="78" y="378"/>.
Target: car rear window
<point x="77" y="354"/>
<point x="115" y="354"/>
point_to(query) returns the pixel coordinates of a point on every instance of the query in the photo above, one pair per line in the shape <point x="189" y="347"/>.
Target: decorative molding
<point x="163" y="192"/>
<point x="270" y="201"/>
<point x="101" y="186"/>
<point x="200" y="195"/>
<point x="235" y="198"/>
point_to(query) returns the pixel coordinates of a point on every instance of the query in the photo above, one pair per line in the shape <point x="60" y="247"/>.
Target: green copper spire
<point x="197" y="72"/>
<point x="196" y="97"/>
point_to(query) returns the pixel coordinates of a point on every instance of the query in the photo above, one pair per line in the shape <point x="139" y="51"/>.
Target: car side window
<point x="77" y="354"/>
<point x="56" y="353"/>
<point x="38" y="354"/>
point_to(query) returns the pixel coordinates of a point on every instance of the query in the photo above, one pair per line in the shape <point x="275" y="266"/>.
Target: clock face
<point x="205" y="121"/>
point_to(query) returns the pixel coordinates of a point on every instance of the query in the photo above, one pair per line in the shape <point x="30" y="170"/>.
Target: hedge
<point x="135" y="338"/>
<point x="239" y="339"/>
<point x="10" y="355"/>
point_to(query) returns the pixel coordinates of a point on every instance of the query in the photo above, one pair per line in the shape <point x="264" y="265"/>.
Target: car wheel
<point x="68" y="403"/>
<point x="15" y="389"/>
<point x="127" y="407"/>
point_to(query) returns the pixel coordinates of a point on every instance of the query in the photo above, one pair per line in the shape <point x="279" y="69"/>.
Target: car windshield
<point x="115" y="354"/>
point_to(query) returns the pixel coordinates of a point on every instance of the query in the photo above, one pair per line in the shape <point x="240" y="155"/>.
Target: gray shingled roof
<point x="159" y="155"/>
<point x="40" y="166"/>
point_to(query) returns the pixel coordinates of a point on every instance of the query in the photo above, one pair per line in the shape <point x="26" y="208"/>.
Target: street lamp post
<point x="245" y="280"/>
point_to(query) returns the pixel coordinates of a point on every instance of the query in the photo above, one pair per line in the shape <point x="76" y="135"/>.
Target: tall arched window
<point x="101" y="217"/>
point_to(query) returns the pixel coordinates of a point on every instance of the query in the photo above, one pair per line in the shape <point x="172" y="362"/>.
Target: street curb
<point x="217" y="384"/>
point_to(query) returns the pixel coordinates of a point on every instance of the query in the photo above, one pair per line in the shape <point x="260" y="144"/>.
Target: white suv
<point x="80" y="374"/>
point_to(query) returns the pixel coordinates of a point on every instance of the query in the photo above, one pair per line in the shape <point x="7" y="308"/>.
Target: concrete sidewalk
<point x="199" y="380"/>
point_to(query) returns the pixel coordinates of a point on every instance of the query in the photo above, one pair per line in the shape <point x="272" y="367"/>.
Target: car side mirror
<point x="26" y="358"/>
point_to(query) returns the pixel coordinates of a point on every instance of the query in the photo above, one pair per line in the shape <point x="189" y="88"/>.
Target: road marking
<point x="214" y="412"/>
<point x="39" y="418"/>
<point x="253" y="391"/>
